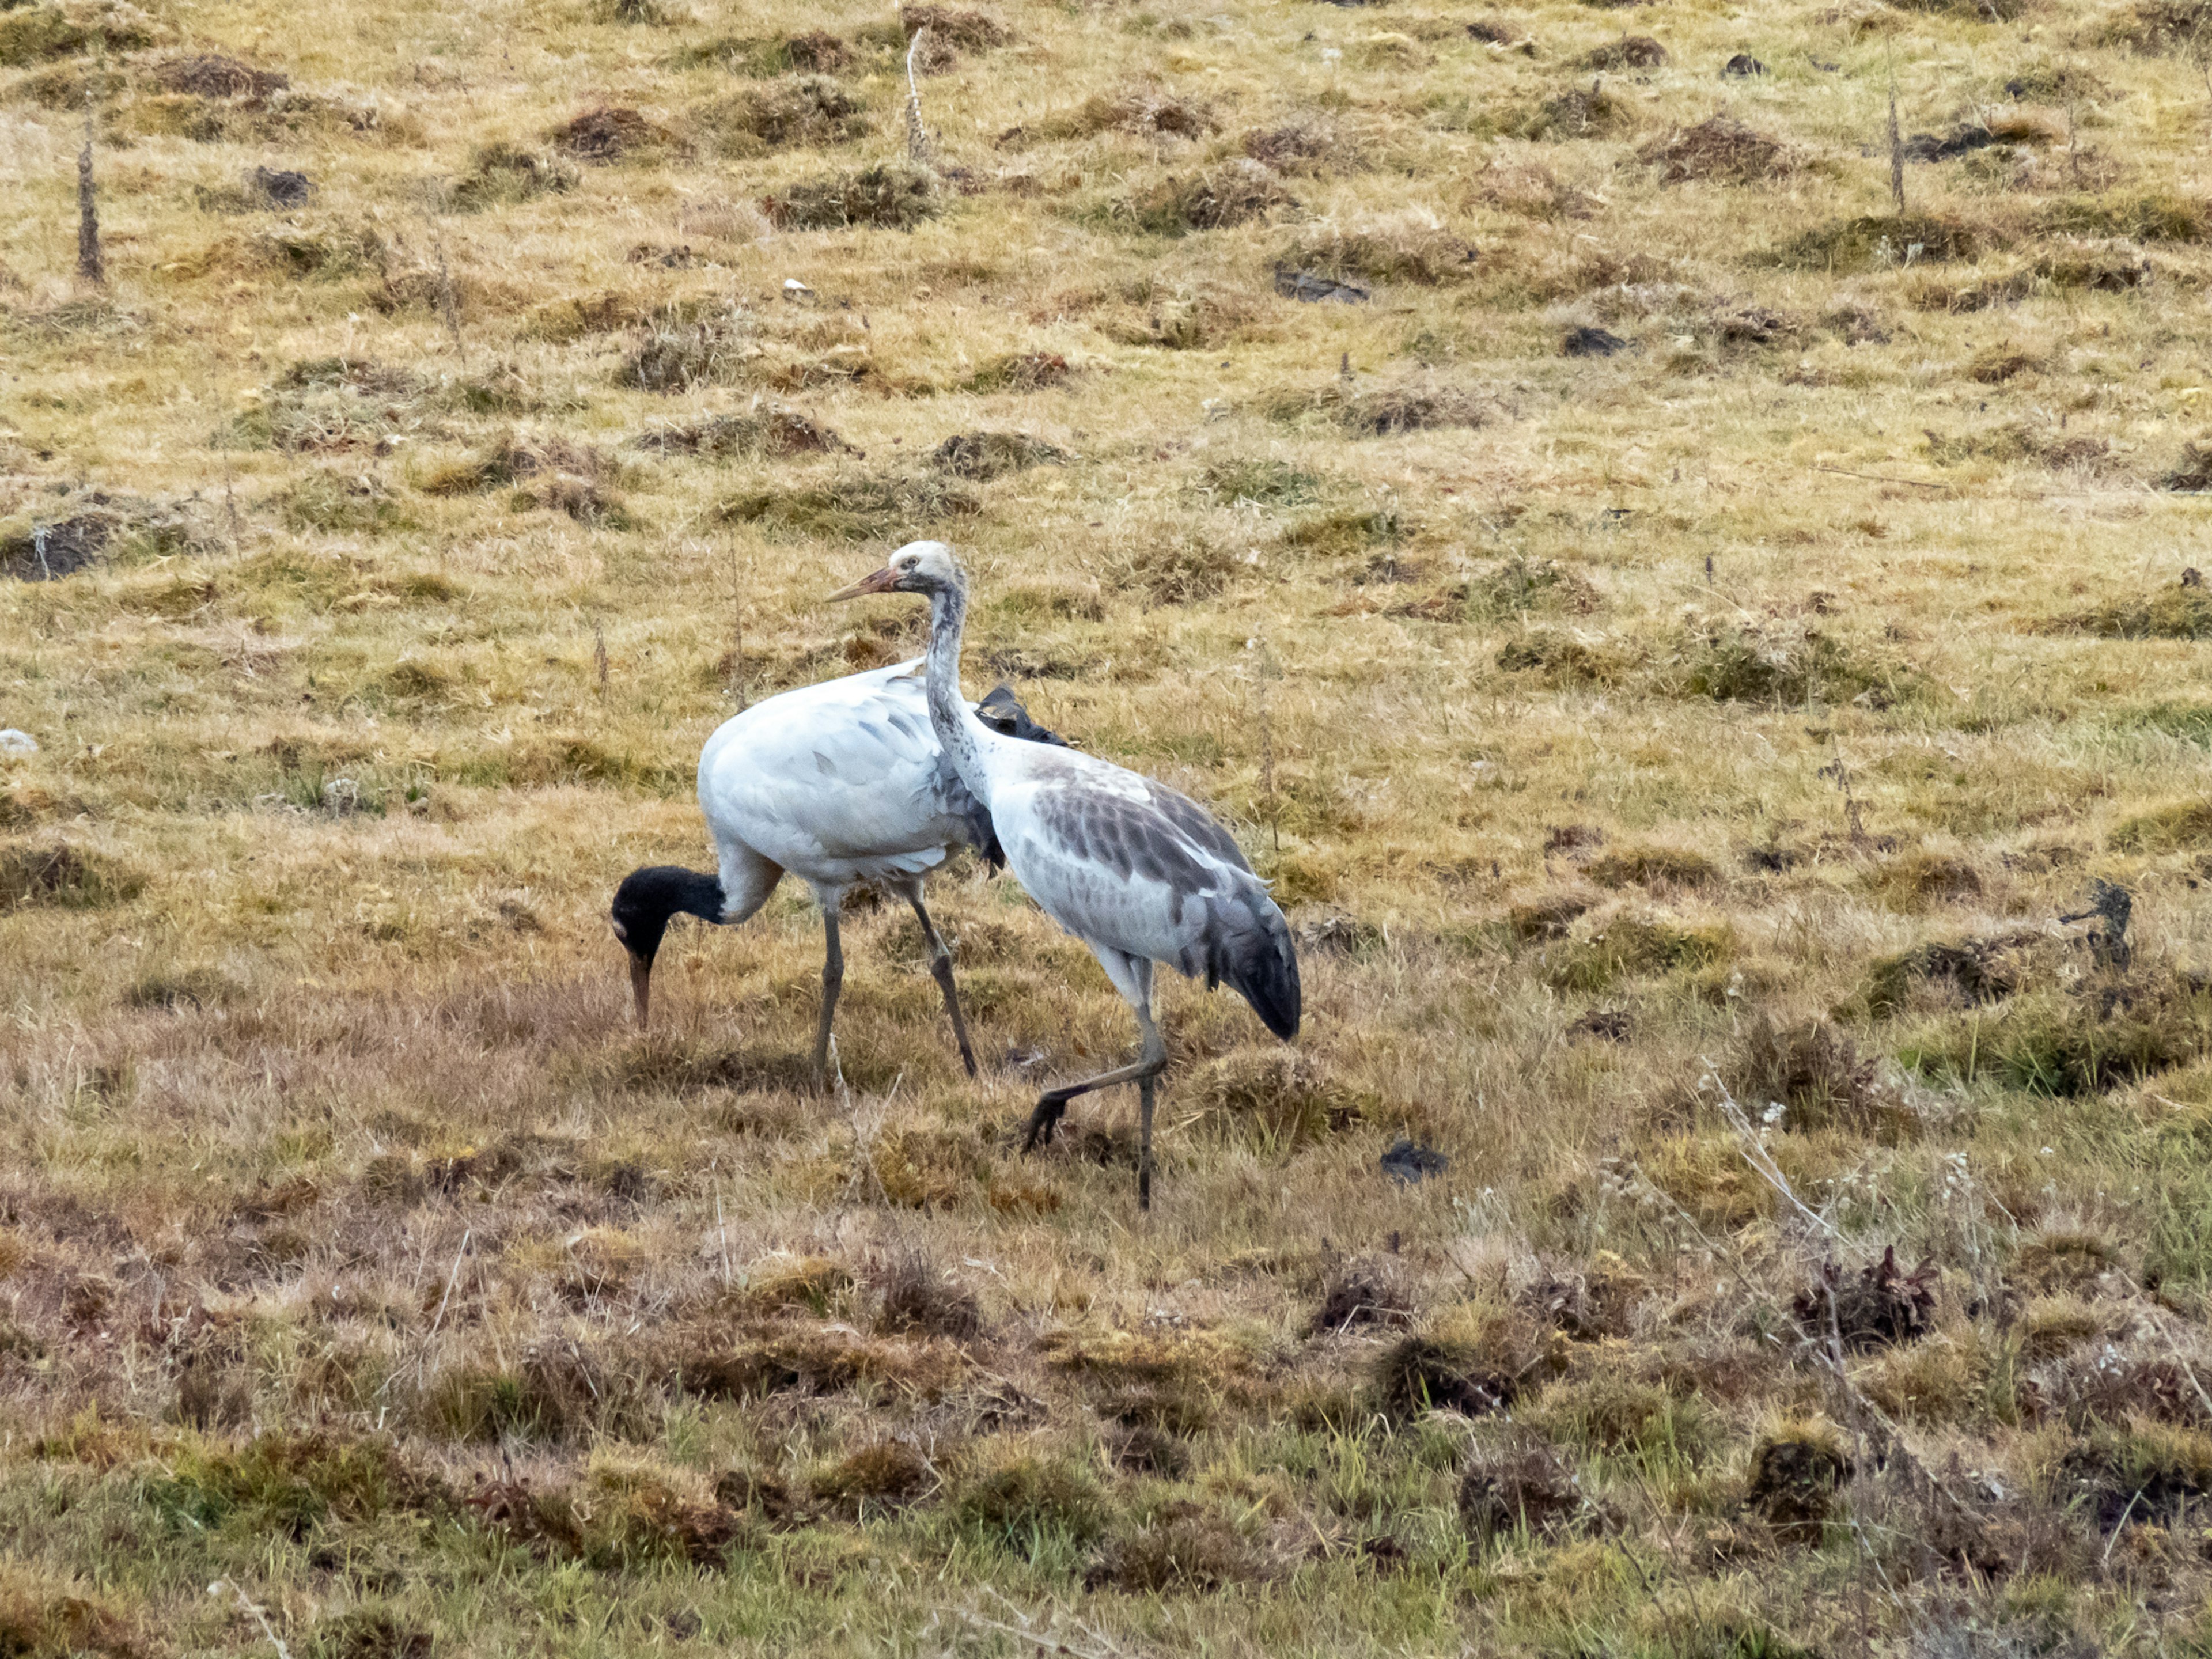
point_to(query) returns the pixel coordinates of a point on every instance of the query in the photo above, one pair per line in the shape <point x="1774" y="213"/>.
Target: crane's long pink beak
<point x="881" y="582"/>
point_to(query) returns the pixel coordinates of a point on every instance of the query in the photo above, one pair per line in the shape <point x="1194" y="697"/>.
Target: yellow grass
<point x="1602" y="735"/>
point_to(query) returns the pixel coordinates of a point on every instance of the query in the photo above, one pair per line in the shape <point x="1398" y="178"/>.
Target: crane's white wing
<point x="839" y="780"/>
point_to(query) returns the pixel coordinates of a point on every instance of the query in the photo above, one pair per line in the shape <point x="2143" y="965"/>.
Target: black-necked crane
<point x="1137" y="871"/>
<point x="842" y="784"/>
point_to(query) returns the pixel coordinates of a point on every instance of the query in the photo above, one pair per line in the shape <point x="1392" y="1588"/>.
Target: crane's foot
<point x="1043" y="1122"/>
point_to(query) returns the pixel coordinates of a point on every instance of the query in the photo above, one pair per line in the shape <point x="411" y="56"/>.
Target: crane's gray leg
<point x="941" y="970"/>
<point x="1053" y="1103"/>
<point x="1144" y="1141"/>
<point x="833" y="976"/>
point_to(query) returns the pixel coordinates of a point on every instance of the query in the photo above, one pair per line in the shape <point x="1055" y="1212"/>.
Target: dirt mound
<point x="767" y="430"/>
<point x="211" y="75"/>
<point x="1629" y="51"/>
<point x="607" y="134"/>
<point x="983" y="456"/>
<point x="1234" y="193"/>
<point x="893" y="196"/>
<point x="1720" y="149"/>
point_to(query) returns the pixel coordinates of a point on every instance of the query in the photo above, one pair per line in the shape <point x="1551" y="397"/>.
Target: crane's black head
<point x="643" y="904"/>
<point x="917" y="567"/>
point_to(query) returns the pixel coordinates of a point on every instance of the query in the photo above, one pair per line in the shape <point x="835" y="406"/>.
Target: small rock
<point x="2192" y="577"/>
<point x="1743" y="63"/>
<point x="793" y="288"/>
<point x="1591" y="343"/>
<point x="15" y="742"/>
<point x="1405" y="1163"/>
<point x="1306" y="286"/>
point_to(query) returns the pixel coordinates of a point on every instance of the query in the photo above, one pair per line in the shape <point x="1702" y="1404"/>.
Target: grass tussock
<point x="984" y="455"/>
<point x="890" y="196"/>
<point x="765" y="430"/>
<point x="1381" y="410"/>
<point x="1238" y="192"/>
<point x="1410" y="251"/>
<point x="1880" y="241"/>
<point x="811" y="111"/>
<point x="854" y="506"/>
<point x="2103" y="1036"/>
<point x="501" y="175"/>
<point x="1718" y="150"/>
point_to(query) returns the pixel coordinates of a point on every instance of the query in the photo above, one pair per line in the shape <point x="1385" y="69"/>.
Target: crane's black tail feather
<point x="1003" y="713"/>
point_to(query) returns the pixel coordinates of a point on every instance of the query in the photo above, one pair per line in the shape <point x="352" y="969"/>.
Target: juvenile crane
<point x="1140" y="873"/>
<point x="840" y="784"/>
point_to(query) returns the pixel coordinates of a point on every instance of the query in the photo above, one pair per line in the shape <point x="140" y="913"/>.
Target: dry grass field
<point x="1678" y="631"/>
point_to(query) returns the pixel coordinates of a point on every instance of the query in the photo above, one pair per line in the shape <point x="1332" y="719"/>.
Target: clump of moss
<point x="42" y="1617"/>
<point x="1797" y="1471"/>
<point x="1939" y="975"/>
<point x="1416" y="251"/>
<point x="2141" y="1473"/>
<point x="1612" y="1411"/>
<point x="1914" y="879"/>
<point x="1369" y="1290"/>
<point x="1174" y="567"/>
<point x="1474" y="1359"/>
<point x="610" y="132"/>
<point x="680" y="349"/>
<point x="2172" y="829"/>
<point x="1720" y="148"/>
<point x="914" y="1295"/>
<point x="1412" y="405"/>
<point x="984" y="455"/>
<point x="1261" y="480"/>
<point x="1588" y="111"/>
<point x="1143" y="111"/>
<point x="555" y="1390"/>
<point x="765" y="430"/>
<point x="1520" y="586"/>
<point x="810" y="51"/>
<point x="891" y="196"/>
<point x="288" y="1484"/>
<point x="1020" y="371"/>
<point x="373" y="1631"/>
<point x="34" y="33"/>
